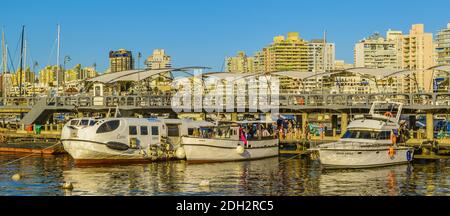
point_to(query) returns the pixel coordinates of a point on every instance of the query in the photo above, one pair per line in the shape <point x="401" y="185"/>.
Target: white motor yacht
<point x="370" y="141"/>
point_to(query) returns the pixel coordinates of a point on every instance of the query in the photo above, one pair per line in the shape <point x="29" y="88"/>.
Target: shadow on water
<point x="273" y="176"/>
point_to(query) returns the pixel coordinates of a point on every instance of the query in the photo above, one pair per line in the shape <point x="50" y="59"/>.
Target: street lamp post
<point x="138" y="67"/>
<point x="66" y="59"/>
<point x="35" y="64"/>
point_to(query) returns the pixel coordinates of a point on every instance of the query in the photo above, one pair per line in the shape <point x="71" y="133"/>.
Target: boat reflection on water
<point x="365" y="182"/>
<point x="175" y="178"/>
<point x="283" y="176"/>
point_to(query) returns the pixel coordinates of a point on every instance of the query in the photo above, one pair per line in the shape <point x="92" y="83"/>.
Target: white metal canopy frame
<point x="138" y="75"/>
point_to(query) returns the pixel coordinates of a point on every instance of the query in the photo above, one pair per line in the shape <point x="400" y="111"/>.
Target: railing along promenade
<point x="422" y="101"/>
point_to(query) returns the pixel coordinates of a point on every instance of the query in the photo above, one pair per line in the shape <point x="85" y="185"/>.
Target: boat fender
<point x="409" y="155"/>
<point x="180" y="153"/>
<point x="67" y="186"/>
<point x="240" y="150"/>
<point x="16" y="177"/>
<point x="391" y="152"/>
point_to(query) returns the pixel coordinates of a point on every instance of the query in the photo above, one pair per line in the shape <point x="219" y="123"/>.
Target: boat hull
<point x="220" y="150"/>
<point x="364" y="158"/>
<point x="85" y="151"/>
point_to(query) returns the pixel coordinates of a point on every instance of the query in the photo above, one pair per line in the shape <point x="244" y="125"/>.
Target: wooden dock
<point x="21" y="141"/>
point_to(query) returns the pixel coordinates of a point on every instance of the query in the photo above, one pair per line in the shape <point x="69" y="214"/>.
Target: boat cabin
<point x="235" y="130"/>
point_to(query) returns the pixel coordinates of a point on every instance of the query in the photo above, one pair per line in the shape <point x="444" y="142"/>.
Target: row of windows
<point x="132" y="130"/>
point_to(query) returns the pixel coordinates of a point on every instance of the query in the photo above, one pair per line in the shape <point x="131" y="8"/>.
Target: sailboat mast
<point x="21" y="61"/>
<point x="3" y="53"/>
<point x="57" y="60"/>
<point x="4" y="64"/>
<point x="325" y="50"/>
<point x="24" y="75"/>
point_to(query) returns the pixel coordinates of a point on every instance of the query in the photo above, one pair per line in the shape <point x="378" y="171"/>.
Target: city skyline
<point x="198" y="32"/>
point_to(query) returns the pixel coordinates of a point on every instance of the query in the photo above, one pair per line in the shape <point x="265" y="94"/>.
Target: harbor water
<point x="287" y="176"/>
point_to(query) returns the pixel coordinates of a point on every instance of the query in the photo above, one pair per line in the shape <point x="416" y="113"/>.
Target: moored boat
<point x="116" y="140"/>
<point x="229" y="142"/>
<point x="371" y="140"/>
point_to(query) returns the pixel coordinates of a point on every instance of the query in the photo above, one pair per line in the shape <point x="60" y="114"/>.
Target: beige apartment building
<point x="241" y="63"/>
<point x="286" y="54"/>
<point x="321" y="56"/>
<point x="376" y="52"/>
<point x="158" y="60"/>
<point x="398" y="51"/>
<point x="417" y="54"/>
<point x="443" y="46"/>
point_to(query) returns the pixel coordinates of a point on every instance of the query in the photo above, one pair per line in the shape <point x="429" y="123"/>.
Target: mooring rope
<point x="13" y="161"/>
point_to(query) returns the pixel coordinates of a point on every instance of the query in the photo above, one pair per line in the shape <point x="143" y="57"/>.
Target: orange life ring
<point x="388" y="114"/>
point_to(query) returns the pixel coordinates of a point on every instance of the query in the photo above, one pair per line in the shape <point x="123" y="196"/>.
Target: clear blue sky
<point x="202" y="32"/>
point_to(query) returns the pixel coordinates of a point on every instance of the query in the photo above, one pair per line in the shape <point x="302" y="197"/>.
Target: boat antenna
<point x="57" y="58"/>
<point x="4" y="63"/>
<point x="21" y="60"/>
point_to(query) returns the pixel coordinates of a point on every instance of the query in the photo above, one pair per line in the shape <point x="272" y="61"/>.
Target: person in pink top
<point x="242" y="136"/>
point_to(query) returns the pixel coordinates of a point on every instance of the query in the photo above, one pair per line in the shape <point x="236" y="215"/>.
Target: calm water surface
<point x="43" y="175"/>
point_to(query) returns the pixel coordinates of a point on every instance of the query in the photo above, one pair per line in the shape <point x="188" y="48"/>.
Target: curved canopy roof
<point x="136" y="75"/>
<point x="445" y="68"/>
<point x="374" y="72"/>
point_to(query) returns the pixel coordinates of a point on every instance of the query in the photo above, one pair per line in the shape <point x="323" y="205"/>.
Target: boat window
<point x="74" y="122"/>
<point x="360" y="134"/>
<point x="155" y="130"/>
<point x="84" y="122"/>
<point x="92" y="123"/>
<point x="172" y="130"/>
<point x="108" y="126"/>
<point x="384" y="135"/>
<point x="132" y="130"/>
<point x="144" y="130"/>
<point x="191" y="131"/>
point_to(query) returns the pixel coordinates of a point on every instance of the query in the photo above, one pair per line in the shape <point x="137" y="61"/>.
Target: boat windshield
<point x="363" y="134"/>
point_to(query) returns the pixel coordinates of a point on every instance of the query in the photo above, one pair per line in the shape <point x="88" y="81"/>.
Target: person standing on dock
<point x="321" y="131"/>
<point x="306" y="130"/>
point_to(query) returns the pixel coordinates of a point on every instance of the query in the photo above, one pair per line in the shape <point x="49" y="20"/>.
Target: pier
<point x="337" y="108"/>
<point x="33" y="118"/>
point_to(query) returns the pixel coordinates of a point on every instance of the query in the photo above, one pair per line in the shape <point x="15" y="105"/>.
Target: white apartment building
<point x="376" y="52"/>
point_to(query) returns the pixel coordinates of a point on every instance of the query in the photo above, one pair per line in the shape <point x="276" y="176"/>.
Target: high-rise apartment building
<point x="443" y="46"/>
<point x="120" y="60"/>
<point x="87" y="72"/>
<point x="158" y="60"/>
<point x="397" y="38"/>
<point x="241" y="63"/>
<point x="418" y="49"/>
<point x="284" y="54"/>
<point x="47" y="76"/>
<point x="320" y="59"/>
<point x="376" y="52"/>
